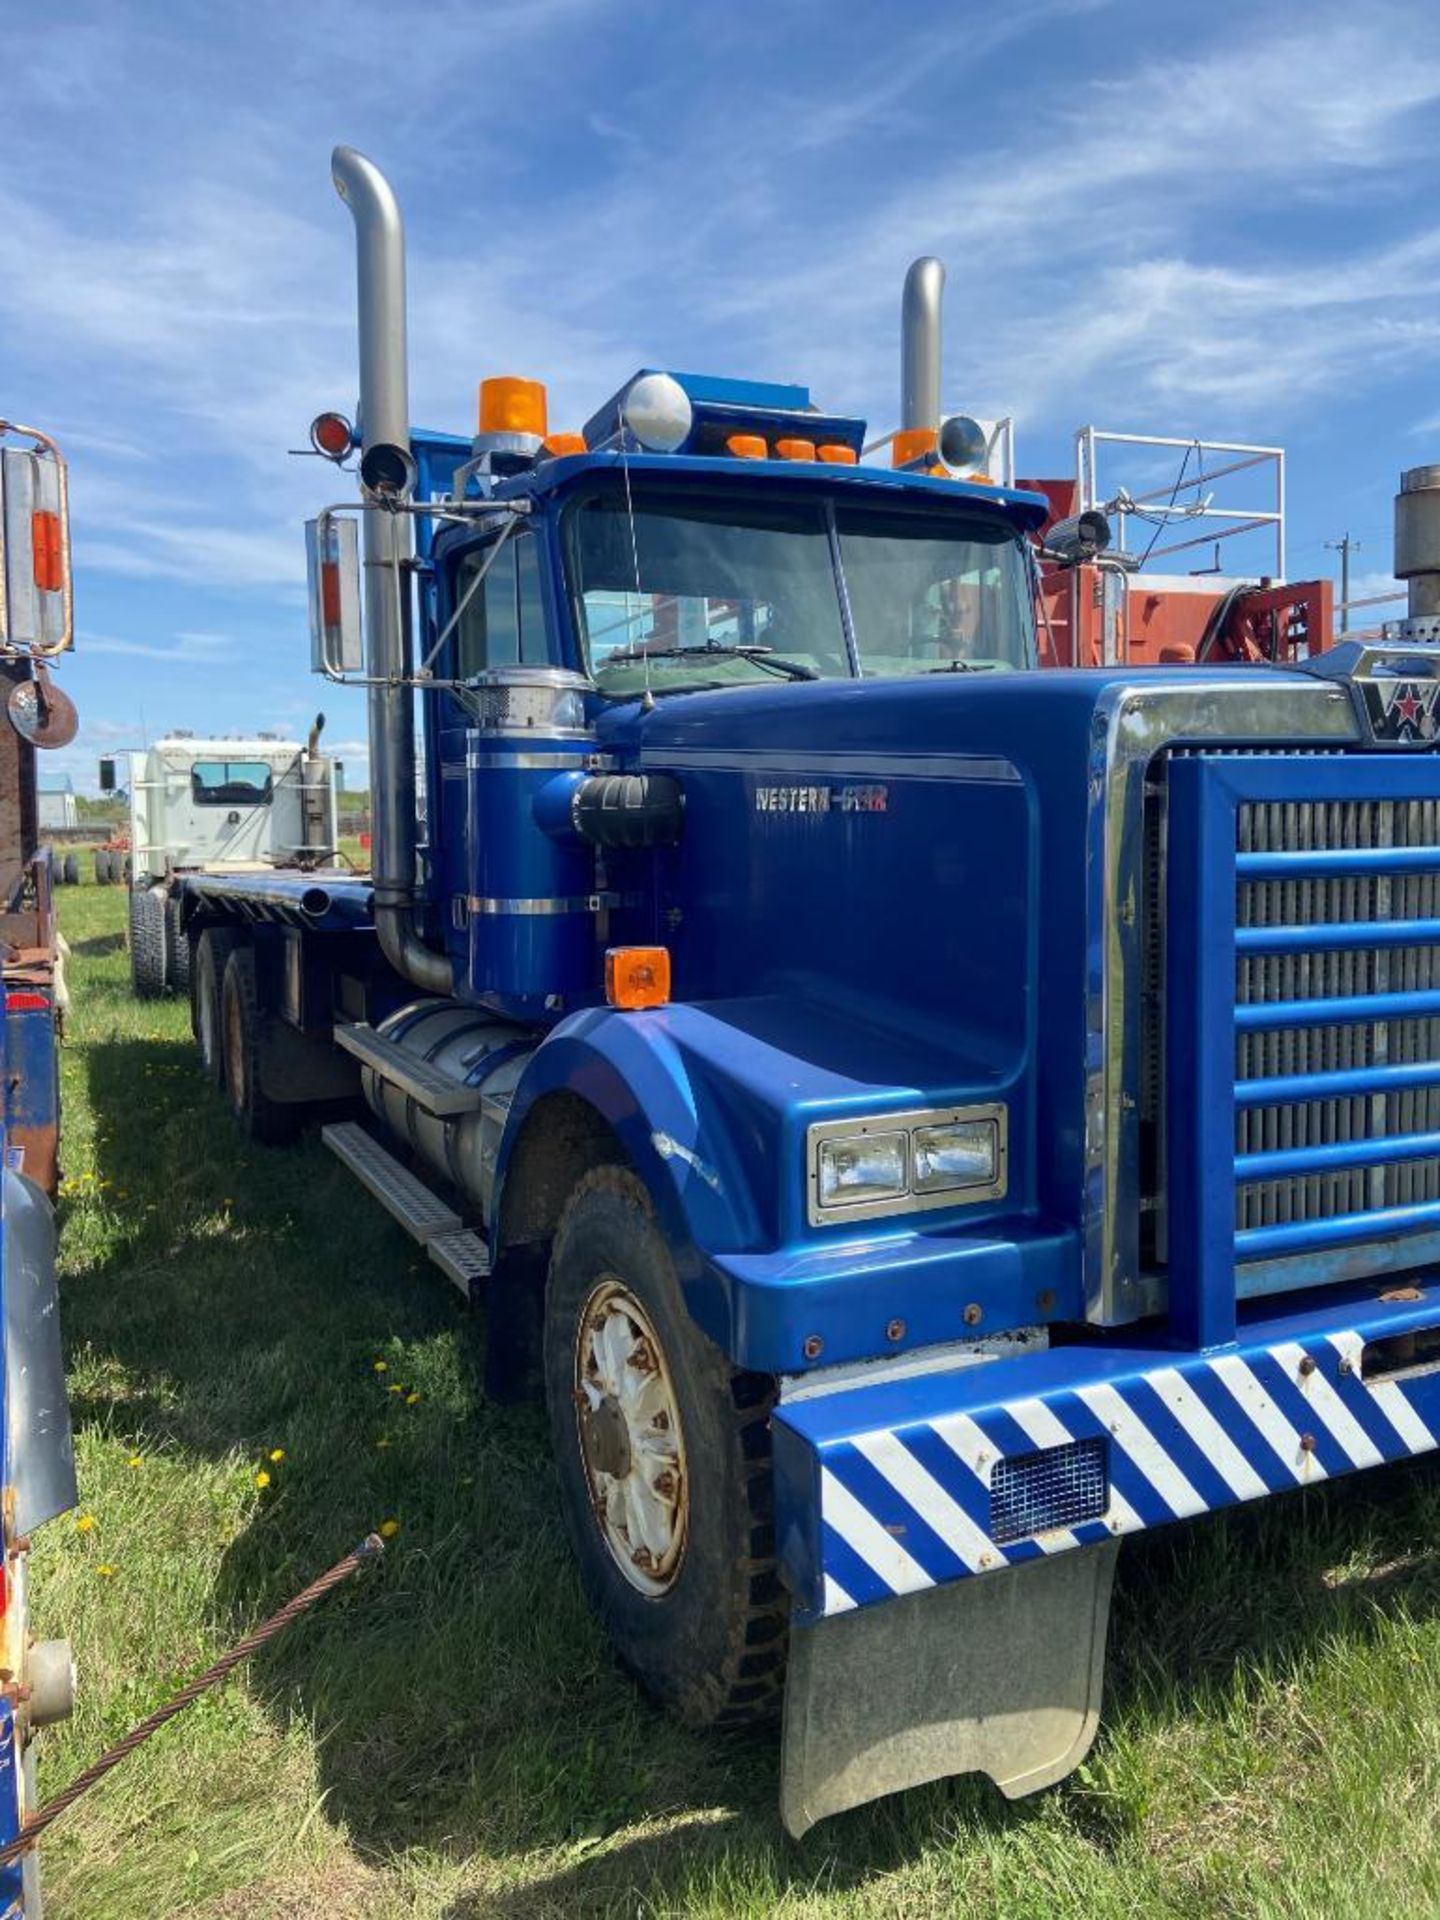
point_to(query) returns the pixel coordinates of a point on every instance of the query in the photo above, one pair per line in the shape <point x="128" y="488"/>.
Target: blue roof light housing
<point x="723" y="407"/>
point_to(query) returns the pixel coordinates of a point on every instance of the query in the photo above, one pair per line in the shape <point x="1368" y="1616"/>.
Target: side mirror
<point x="332" y="564"/>
<point x="1082" y="537"/>
<point x="107" y="776"/>
<point x="35" y="612"/>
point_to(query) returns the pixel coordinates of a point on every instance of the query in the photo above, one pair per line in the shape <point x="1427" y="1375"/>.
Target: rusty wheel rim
<point x="631" y="1444"/>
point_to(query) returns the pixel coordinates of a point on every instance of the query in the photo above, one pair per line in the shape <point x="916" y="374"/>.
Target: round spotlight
<point x="388" y="471"/>
<point x="657" y="411"/>
<point x="332" y="435"/>
<point x="962" y="444"/>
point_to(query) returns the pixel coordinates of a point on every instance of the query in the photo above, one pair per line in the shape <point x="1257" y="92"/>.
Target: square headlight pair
<point x="906" y="1161"/>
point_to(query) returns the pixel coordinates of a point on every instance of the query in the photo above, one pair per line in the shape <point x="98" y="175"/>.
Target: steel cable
<point x="369" y="1549"/>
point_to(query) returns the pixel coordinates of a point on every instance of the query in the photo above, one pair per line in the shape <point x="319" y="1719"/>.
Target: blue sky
<point x="1163" y="219"/>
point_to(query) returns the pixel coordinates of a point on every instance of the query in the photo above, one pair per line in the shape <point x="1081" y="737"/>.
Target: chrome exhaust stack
<point x="385" y="421"/>
<point x="920" y="344"/>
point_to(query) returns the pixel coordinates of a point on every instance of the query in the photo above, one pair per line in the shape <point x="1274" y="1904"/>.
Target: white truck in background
<point x="234" y="804"/>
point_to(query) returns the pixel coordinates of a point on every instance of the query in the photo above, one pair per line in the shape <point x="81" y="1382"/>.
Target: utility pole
<point x="1345" y="546"/>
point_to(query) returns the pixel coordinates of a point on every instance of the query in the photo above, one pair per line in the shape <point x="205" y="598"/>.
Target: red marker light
<point x="332" y="435"/>
<point x="45" y="550"/>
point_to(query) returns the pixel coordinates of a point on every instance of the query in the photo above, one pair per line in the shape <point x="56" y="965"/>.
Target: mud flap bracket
<point x="998" y="1674"/>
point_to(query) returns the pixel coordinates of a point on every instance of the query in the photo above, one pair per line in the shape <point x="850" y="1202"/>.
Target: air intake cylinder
<point x="532" y="913"/>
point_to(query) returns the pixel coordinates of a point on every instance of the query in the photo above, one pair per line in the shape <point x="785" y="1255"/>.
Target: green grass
<point x="448" y="1738"/>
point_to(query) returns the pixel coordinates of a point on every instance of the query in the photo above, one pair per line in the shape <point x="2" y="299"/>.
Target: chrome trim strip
<point x="1132" y="723"/>
<point x="963" y="767"/>
<point x="577" y="758"/>
<point x="575" y="903"/>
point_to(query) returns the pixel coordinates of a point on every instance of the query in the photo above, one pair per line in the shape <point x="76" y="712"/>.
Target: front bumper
<point x="895" y="1487"/>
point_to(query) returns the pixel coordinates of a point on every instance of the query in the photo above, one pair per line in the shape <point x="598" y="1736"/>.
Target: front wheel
<point x="663" y="1454"/>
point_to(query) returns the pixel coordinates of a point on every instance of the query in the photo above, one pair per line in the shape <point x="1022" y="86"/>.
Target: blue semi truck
<point x="917" y="1120"/>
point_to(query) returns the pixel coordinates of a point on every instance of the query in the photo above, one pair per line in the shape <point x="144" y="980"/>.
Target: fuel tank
<point x="477" y="1051"/>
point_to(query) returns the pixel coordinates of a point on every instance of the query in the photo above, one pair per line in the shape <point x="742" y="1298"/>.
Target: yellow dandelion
<point x="105" y="1570"/>
<point x="383" y="1441"/>
<point x="381" y="1366"/>
<point x="85" y="1523"/>
<point x="397" y="1389"/>
<point x="262" y="1479"/>
<point x="134" y="1461"/>
<point x="411" y="1398"/>
<point x="389" y="1529"/>
<point x="277" y="1454"/>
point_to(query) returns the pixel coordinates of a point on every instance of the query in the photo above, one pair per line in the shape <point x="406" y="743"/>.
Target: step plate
<point x="423" y="1215"/>
<point x="434" y="1091"/>
<point x="461" y="1257"/>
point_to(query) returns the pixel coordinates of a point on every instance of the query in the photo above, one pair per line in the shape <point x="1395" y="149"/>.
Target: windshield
<point x="681" y="592"/>
<point x="927" y="592"/>
<point x="689" y="591"/>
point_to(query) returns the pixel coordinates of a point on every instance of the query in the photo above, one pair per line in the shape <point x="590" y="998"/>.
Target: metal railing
<point x="1163" y="504"/>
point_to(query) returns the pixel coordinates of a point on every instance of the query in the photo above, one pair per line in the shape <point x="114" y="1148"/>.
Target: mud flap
<point x="998" y="1674"/>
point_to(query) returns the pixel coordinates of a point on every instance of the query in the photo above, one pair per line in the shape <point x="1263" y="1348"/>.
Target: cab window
<point x="230" y="783"/>
<point x="503" y="624"/>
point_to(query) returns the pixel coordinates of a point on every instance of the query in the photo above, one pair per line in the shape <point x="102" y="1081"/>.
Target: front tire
<point x="663" y="1455"/>
<point x="271" y="1123"/>
<point x="147" y="945"/>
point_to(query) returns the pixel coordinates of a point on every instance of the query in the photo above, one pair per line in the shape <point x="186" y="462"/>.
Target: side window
<point x="504" y="623"/>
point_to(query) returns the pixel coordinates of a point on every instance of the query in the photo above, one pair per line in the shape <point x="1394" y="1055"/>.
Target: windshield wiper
<point x="957" y="665"/>
<point x="760" y="656"/>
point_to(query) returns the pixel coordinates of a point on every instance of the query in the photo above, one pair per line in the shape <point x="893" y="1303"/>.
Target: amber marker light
<point x="559" y="444"/>
<point x="637" y="977"/>
<point x="835" y="454"/>
<point x="511" y="405"/>
<point x="911" y="444"/>
<point x="748" y="446"/>
<point x="795" y="449"/>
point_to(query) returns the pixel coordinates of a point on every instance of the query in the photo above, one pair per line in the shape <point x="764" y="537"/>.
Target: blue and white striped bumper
<point x="891" y="1488"/>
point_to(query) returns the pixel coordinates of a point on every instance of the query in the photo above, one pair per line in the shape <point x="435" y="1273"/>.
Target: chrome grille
<point x="1330" y="973"/>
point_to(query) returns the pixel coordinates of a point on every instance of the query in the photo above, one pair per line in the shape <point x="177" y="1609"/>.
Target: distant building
<point x="57" y="803"/>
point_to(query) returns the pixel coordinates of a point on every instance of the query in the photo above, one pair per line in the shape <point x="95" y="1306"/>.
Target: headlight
<point x="862" y="1167"/>
<point x="962" y="1155"/>
<point x="894" y="1163"/>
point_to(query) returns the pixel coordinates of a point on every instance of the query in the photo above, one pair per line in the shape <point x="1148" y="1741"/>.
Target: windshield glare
<point x="686" y="592"/>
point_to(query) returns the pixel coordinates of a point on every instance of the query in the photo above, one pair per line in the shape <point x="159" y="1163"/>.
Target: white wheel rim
<point x="631" y="1443"/>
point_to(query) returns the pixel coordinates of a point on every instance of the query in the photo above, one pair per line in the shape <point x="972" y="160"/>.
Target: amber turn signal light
<point x="836" y="454"/>
<point x="559" y="444"/>
<point x="795" y="449"/>
<point x="637" y="976"/>
<point x="748" y="446"/>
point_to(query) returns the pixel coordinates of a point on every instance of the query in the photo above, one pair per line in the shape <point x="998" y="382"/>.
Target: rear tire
<point x="177" y="949"/>
<point x="212" y="952"/>
<point x="70" y="866"/>
<point x="695" y="1610"/>
<point x="147" y="945"/>
<point x="269" y="1122"/>
<point x="102" y="867"/>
